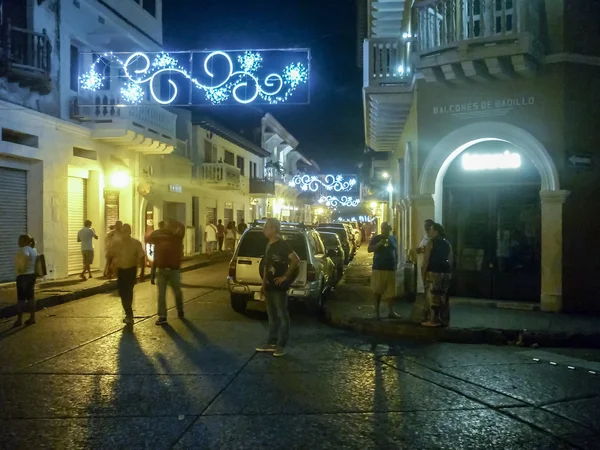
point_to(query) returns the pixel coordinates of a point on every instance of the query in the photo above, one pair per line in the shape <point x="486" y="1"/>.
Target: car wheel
<point x="239" y="303"/>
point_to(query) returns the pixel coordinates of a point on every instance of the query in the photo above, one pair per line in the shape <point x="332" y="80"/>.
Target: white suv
<point x="316" y="275"/>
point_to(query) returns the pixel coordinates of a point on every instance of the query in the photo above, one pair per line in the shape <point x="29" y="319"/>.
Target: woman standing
<point x="436" y="272"/>
<point x="230" y="237"/>
<point x="25" y="267"/>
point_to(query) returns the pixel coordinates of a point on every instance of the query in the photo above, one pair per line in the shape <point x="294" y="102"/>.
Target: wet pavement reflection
<point x="78" y="379"/>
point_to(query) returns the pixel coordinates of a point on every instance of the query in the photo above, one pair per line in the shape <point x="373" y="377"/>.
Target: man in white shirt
<point x="86" y="236"/>
<point x="210" y="236"/>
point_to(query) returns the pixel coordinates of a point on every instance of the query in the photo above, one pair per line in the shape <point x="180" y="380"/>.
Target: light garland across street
<point x="239" y="82"/>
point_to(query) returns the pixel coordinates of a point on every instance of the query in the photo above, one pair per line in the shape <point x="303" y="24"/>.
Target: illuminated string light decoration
<point x="239" y="82"/>
<point x="333" y="202"/>
<point x="91" y="81"/>
<point x="330" y="182"/>
<point x="132" y="93"/>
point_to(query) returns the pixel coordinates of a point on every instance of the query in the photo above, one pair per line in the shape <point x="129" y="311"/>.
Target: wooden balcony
<point x="262" y="188"/>
<point x="477" y="40"/>
<point x="147" y="127"/>
<point x="25" y="58"/>
<point x="220" y="176"/>
<point x="388" y="87"/>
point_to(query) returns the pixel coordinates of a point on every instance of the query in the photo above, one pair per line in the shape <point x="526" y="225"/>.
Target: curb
<point x="493" y="336"/>
<point x="60" y="299"/>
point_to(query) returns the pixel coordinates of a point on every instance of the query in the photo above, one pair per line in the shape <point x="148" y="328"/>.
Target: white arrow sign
<point x="578" y="160"/>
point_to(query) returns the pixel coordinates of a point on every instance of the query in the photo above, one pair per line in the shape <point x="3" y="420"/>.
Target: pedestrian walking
<point x="114" y="235"/>
<point x="220" y="234"/>
<point x="86" y="236"/>
<point x="211" y="237"/>
<point x="242" y="226"/>
<point x="25" y="261"/>
<point x="437" y="273"/>
<point x="168" y="250"/>
<point x="230" y="237"/>
<point x="279" y="271"/>
<point x="385" y="260"/>
<point x="127" y="254"/>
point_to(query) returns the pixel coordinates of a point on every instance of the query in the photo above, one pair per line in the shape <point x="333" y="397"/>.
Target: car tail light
<point x="232" y="268"/>
<point x="311" y="273"/>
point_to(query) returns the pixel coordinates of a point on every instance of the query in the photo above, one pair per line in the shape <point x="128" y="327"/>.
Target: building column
<point x="552" y="249"/>
<point x="423" y="208"/>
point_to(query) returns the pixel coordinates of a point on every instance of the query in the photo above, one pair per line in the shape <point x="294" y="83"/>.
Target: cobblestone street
<point x="78" y="379"/>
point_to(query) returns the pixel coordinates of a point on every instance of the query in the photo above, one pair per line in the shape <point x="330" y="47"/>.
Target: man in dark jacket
<point x="168" y="250"/>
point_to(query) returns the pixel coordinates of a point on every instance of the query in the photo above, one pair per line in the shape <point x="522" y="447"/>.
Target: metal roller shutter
<point x="77" y="215"/>
<point x="13" y="218"/>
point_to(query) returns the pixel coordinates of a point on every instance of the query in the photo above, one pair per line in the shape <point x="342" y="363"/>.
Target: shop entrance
<point x="492" y="215"/>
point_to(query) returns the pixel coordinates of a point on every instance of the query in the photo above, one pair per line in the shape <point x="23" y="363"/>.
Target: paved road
<point x="78" y="379"/>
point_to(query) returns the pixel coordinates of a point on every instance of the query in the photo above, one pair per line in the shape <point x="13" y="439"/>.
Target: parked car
<point x="353" y="240"/>
<point x="357" y="233"/>
<point x="316" y="275"/>
<point x="342" y="233"/>
<point x="334" y="249"/>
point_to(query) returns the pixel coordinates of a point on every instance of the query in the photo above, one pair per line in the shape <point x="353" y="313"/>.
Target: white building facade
<point x="61" y="164"/>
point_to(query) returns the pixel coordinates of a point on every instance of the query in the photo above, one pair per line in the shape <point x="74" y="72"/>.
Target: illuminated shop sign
<point x="491" y="161"/>
<point x="196" y="78"/>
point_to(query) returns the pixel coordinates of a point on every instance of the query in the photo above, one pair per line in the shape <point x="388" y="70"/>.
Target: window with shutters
<point x="240" y="163"/>
<point x="229" y="158"/>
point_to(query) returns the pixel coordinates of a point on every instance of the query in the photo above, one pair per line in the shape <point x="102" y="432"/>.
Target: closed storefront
<point x="77" y="215"/>
<point x="13" y="218"/>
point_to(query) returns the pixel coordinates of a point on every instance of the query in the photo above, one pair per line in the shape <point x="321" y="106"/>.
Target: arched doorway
<point x="492" y="214"/>
<point x="430" y="202"/>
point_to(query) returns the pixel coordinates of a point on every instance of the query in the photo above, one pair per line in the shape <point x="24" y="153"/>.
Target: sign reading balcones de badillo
<point x="483" y="108"/>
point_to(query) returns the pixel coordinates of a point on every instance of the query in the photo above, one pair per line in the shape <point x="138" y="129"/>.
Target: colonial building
<point x="486" y="110"/>
<point x="62" y="162"/>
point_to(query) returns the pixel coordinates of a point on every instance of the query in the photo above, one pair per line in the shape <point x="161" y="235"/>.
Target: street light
<point x="119" y="179"/>
<point x="390" y="190"/>
<point x="385" y="175"/>
<point x="373" y="205"/>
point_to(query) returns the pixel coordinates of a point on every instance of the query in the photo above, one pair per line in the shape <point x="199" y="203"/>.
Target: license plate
<point x="257" y="296"/>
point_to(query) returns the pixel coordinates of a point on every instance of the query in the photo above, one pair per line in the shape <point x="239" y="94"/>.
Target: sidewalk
<point x="471" y="321"/>
<point x="56" y="292"/>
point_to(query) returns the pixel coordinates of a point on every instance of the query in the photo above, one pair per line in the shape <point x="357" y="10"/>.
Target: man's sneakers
<point x="161" y="321"/>
<point x="266" y="348"/>
<point x="279" y="352"/>
<point x="270" y="348"/>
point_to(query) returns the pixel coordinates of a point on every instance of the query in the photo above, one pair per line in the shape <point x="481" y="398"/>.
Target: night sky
<point x="330" y="128"/>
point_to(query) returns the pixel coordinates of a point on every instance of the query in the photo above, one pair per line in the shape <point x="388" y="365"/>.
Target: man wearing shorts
<point x="86" y="236"/>
<point x="385" y="259"/>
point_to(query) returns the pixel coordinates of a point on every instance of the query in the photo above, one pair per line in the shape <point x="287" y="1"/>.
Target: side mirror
<point x="331" y="253"/>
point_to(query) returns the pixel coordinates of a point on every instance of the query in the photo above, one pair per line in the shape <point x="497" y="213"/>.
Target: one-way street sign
<point x="580" y="161"/>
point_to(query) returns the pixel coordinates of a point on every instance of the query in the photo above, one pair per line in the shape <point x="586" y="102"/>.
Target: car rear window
<point x="328" y="239"/>
<point x="254" y="243"/>
<point x="341" y="232"/>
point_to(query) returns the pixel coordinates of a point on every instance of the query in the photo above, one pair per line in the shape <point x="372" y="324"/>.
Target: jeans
<point x="125" y="282"/>
<point x="221" y="239"/>
<point x="279" y="317"/>
<point x="167" y="277"/>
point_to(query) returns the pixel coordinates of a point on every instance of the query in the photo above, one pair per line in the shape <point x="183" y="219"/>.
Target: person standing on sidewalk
<point x="210" y="236"/>
<point x="220" y="234"/>
<point x="25" y="261"/>
<point x="86" y="236"/>
<point x="385" y="260"/>
<point x="279" y="272"/>
<point x="168" y="250"/>
<point x="241" y="228"/>
<point x="126" y="254"/>
<point x="437" y="273"/>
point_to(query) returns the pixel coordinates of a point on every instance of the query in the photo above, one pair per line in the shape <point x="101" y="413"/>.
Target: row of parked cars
<point x="324" y="251"/>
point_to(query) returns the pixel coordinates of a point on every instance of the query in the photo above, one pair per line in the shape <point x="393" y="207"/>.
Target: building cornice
<point x="574" y="58"/>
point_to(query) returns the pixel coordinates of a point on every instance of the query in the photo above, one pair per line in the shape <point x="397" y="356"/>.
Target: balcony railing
<point x="220" y="175"/>
<point x="262" y="187"/>
<point x="443" y="23"/>
<point x="386" y="63"/>
<point x="25" y="57"/>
